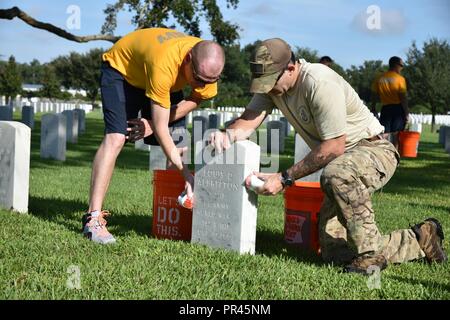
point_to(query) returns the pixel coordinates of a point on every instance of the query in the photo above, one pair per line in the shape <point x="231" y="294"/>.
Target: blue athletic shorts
<point x="392" y="118"/>
<point x="122" y="101"/>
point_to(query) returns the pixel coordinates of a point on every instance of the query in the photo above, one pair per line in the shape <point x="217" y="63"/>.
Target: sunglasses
<point x="198" y="78"/>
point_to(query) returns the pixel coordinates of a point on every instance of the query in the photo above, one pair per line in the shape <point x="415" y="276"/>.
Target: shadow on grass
<point x="425" y="283"/>
<point x="270" y="244"/>
<point x="430" y="171"/>
<point x="68" y="213"/>
<point x="82" y="153"/>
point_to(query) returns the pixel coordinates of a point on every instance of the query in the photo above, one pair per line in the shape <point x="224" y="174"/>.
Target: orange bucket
<point x="408" y="143"/>
<point x="302" y="203"/>
<point x="170" y="220"/>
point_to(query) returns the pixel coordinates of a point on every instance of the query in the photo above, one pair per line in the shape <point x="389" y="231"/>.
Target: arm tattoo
<point x="313" y="162"/>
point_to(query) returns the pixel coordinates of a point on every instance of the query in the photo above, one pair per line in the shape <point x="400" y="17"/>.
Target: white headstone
<point x="181" y="138"/>
<point x="72" y="126"/>
<point x="158" y="159"/>
<point x="221" y="117"/>
<point x="301" y="151"/>
<point x="140" y="145"/>
<point x="15" y="139"/>
<point x="81" y="120"/>
<point x="225" y="211"/>
<point x="53" y="136"/>
<point x="275" y="136"/>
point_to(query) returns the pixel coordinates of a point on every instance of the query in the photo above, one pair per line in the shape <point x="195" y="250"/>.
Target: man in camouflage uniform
<point x="345" y="140"/>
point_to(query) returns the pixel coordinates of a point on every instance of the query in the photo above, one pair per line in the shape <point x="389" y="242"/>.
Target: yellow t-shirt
<point x="150" y="59"/>
<point x="322" y="106"/>
<point x="388" y="86"/>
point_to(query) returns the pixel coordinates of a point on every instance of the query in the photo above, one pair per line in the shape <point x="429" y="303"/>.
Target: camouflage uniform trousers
<point x="347" y="221"/>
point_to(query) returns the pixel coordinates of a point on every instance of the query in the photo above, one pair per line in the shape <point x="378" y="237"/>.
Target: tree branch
<point x="15" y="12"/>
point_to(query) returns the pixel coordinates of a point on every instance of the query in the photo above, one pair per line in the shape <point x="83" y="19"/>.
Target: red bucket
<point x="302" y="203"/>
<point x="408" y="143"/>
<point x="170" y="220"/>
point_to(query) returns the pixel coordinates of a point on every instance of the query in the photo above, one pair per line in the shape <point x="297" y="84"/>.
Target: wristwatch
<point x="286" y="180"/>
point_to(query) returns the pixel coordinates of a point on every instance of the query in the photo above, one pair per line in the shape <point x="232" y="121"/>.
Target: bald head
<point x="208" y="58"/>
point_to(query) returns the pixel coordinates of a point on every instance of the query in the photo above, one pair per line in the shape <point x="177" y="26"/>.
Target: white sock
<point x="95" y="213"/>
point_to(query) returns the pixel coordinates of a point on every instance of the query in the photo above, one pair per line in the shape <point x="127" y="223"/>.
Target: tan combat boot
<point x="367" y="264"/>
<point x="429" y="234"/>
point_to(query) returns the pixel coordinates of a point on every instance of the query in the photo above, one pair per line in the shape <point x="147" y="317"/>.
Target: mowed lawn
<point x="40" y="252"/>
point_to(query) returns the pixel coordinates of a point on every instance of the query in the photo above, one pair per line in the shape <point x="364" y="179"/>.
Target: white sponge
<point x="255" y="182"/>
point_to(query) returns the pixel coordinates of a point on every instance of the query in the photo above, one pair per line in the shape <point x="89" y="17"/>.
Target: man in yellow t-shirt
<point x="146" y="71"/>
<point x="344" y="137"/>
<point x="390" y="87"/>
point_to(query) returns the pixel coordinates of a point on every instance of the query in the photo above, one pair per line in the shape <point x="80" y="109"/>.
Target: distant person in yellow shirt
<point x="146" y="71"/>
<point x="390" y="87"/>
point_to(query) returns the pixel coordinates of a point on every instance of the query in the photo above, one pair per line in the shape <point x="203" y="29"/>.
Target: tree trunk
<point x="433" y="113"/>
<point x="92" y="96"/>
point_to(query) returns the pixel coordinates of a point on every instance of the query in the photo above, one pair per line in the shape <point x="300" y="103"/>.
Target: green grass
<point x="37" y="249"/>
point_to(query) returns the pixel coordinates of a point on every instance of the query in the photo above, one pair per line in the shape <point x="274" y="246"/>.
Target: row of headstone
<point x="439" y="119"/>
<point x="221" y="119"/>
<point x="56" y="129"/>
<point x="15" y="140"/>
<point x="77" y="116"/>
<point x="274" y="140"/>
<point x="12" y="102"/>
<point x="276" y="113"/>
<point x="241" y="110"/>
<point x="213" y="119"/>
<point x="6" y="114"/>
<point x="230" y="109"/>
<point x="59" y="128"/>
<point x="47" y="106"/>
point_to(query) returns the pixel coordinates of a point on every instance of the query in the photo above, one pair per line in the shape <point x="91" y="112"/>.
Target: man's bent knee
<point x="114" y="140"/>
